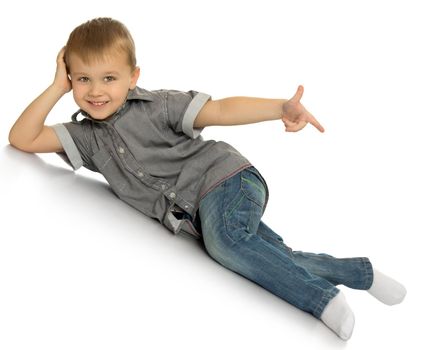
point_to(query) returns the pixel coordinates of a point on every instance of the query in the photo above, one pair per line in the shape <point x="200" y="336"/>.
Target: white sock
<point x="338" y="316"/>
<point x="387" y="290"/>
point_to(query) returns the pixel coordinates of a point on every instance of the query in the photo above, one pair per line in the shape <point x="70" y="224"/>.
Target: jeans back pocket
<point x="253" y="186"/>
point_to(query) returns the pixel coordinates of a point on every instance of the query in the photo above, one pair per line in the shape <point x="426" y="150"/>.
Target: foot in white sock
<point x="338" y="316"/>
<point x="387" y="290"/>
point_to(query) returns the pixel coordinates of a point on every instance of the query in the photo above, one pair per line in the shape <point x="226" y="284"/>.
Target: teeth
<point x="97" y="103"/>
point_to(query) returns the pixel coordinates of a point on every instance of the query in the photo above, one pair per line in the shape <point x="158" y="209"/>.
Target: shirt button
<point x="172" y="195"/>
<point x="121" y="150"/>
<point x="186" y="206"/>
<point x="140" y="174"/>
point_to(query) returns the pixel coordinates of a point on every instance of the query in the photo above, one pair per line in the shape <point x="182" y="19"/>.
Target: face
<point x="100" y="88"/>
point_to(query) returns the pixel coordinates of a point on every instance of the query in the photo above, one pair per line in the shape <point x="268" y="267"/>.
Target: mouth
<point x="98" y="103"/>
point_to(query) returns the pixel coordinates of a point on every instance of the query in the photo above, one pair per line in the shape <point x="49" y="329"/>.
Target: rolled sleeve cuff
<point x="191" y="113"/>
<point x="70" y="149"/>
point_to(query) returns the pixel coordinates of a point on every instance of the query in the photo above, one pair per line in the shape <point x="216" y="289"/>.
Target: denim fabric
<point x="235" y="236"/>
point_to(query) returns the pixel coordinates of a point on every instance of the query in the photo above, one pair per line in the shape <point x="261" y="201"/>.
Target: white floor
<point x="81" y="270"/>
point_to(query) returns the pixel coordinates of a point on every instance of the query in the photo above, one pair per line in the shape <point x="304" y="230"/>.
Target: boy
<point x="147" y="146"/>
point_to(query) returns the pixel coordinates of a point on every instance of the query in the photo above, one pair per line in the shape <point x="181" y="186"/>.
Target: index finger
<point x="312" y="120"/>
<point x="61" y="52"/>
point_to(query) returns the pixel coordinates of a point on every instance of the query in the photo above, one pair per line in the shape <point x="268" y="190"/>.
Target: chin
<point x="99" y="117"/>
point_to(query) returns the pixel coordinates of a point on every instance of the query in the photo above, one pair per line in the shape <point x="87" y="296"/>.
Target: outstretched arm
<point x="29" y="132"/>
<point x="247" y="110"/>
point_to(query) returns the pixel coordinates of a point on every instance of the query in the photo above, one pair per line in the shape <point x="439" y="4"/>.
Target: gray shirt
<point x="150" y="154"/>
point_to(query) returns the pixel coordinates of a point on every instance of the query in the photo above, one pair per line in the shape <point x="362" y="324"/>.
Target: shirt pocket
<point x="112" y="172"/>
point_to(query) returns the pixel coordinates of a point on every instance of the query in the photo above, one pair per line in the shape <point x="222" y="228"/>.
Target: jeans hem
<point x="329" y="295"/>
<point x="369" y="274"/>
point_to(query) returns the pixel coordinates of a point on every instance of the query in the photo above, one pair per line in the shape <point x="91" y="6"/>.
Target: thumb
<point x="299" y="93"/>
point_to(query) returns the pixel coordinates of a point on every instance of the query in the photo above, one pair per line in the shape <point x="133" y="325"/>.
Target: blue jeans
<point x="235" y="236"/>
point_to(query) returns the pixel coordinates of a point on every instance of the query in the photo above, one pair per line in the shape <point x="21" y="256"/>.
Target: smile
<point x="97" y="103"/>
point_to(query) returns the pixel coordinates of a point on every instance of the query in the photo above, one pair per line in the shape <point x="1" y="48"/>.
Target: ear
<point x="134" y="77"/>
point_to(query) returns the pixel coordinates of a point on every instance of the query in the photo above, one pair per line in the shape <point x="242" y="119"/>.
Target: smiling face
<point x="101" y="86"/>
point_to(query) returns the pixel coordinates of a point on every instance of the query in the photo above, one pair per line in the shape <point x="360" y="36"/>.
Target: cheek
<point x="76" y="96"/>
<point x="79" y="94"/>
<point x="119" y="91"/>
<point x="77" y="91"/>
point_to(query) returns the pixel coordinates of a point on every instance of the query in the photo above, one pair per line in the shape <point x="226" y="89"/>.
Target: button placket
<point x="127" y="158"/>
<point x="131" y="164"/>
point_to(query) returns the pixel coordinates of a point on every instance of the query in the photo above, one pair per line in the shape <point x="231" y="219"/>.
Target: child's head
<point x="98" y="39"/>
<point x="100" y="57"/>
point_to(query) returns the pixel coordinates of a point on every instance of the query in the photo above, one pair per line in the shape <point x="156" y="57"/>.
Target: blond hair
<point x="98" y="39"/>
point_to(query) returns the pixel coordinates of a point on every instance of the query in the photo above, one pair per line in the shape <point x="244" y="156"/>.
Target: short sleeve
<point x="73" y="138"/>
<point x="183" y="108"/>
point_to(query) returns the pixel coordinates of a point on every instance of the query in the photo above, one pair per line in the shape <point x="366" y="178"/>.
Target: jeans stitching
<point x="246" y="193"/>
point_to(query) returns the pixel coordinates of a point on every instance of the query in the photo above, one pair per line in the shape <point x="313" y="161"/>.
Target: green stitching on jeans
<point x="253" y="184"/>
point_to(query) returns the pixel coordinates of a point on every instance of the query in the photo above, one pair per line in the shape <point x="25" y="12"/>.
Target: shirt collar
<point x="139" y="94"/>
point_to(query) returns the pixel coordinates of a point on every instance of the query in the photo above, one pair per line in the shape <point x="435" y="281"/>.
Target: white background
<point x="81" y="270"/>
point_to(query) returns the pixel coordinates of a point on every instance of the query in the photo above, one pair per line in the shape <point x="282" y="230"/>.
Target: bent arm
<point x="29" y="133"/>
<point x="238" y="111"/>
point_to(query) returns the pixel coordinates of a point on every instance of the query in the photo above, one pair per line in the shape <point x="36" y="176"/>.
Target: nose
<point x="95" y="89"/>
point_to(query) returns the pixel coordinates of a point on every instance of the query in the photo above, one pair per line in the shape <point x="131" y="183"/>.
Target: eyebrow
<point x="106" y="73"/>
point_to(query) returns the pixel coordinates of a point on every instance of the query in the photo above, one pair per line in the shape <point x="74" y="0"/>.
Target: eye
<point x="83" y="79"/>
<point x="109" y="78"/>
